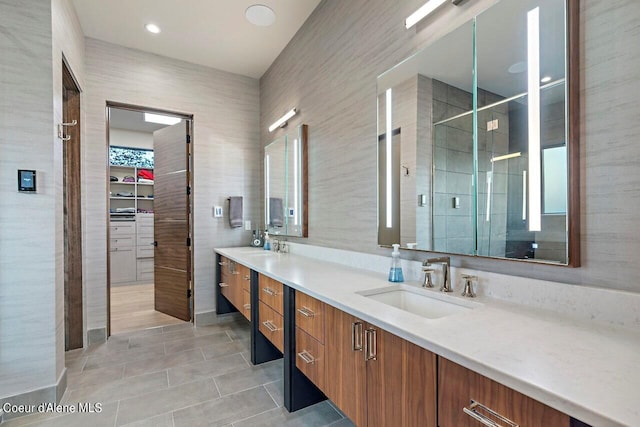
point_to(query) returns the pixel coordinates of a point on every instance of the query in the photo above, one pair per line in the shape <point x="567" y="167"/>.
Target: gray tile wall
<point x="31" y="251"/>
<point x="329" y="72"/>
<point x="227" y="155"/>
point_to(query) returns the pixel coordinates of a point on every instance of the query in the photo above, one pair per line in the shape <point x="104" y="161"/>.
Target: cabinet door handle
<point x="371" y="344"/>
<point x="222" y="263"/>
<point x="307" y="357"/>
<point x="223" y="285"/>
<point x="483" y="419"/>
<point x="306" y="312"/>
<point x="270" y="326"/>
<point x="247" y="306"/>
<point x="247" y="278"/>
<point x="356" y="336"/>
<point x="269" y="291"/>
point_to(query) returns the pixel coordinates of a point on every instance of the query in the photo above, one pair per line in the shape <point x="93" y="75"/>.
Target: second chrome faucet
<point x="445" y="262"/>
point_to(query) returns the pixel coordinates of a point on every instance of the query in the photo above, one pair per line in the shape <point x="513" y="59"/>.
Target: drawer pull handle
<point x="270" y="326"/>
<point x="223" y="263"/>
<point x="307" y="357"/>
<point x="483" y="419"/>
<point x="356" y="336"/>
<point x="247" y="306"/>
<point x="247" y="277"/>
<point x="370" y="345"/>
<point x="223" y="285"/>
<point x="269" y="292"/>
<point x="306" y="312"/>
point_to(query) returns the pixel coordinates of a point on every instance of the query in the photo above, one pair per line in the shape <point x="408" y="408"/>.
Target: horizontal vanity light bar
<point x="282" y="120"/>
<point x="421" y="13"/>
<point x="505" y="157"/>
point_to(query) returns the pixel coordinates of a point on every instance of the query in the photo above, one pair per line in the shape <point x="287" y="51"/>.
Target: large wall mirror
<point x="285" y="184"/>
<point x="477" y="138"/>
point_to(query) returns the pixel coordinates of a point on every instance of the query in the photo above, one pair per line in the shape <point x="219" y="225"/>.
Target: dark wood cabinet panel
<point x="459" y="386"/>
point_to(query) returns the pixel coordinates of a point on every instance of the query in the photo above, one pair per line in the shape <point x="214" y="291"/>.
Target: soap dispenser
<point x="267" y="242"/>
<point x="395" y="272"/>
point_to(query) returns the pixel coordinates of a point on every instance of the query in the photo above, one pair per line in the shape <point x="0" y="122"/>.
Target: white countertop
<point x="582" y="368"/>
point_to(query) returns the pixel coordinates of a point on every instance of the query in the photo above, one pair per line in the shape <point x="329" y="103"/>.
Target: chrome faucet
<point x="445" y="261"/>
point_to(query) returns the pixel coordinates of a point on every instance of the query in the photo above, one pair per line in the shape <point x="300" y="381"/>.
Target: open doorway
<point x="149" y="233"/>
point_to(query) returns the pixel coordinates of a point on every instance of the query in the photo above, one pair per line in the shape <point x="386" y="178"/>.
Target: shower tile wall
<point x="453" y="228"/>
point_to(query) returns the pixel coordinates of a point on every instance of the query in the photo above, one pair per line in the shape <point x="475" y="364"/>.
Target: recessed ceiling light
<point x="545" y="79"/>
<point x="518" y="67"/>
<point x="260" y="15"/>
<point x="152" y="28"/>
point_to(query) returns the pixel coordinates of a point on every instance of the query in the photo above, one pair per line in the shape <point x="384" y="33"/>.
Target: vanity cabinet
<point x="310" y="336"/>
<point x="234" y="283"/>
<point x="459" y="388"/>
<point x="270" y="310"/>
<point x="377" y="378"/>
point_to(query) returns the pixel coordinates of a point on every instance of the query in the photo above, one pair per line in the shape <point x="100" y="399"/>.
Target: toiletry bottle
<point x="395" y="273"/>
<point x="267" y="242"/>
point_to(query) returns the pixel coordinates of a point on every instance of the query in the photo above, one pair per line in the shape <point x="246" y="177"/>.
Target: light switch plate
<point x="217" y="211"/>
<point x="247" y="225"/>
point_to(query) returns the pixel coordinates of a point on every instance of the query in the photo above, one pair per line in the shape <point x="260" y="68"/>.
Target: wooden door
<point x="172" y="270"/>
<point x="401" y="382"/>
<point x="72" y="214"/>
<point x="345" y="367"/>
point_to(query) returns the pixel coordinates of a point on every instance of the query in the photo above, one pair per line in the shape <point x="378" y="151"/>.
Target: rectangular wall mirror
<point x="285" y="184"/>
<point x="477" y="138"/>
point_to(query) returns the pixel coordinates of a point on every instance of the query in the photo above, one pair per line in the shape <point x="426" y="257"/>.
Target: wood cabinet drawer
<point x="271" y="325"/>
<point x="458" y="386"/>
<point x="243" y="276"/>
<point x="270" y="292"/>
<point x="122" y="242"/>
<point x="310" y="357"/>
<point x="144" y="225"/>
<point x="145" y="270"/>
<point x="310" y="315"/>
<point x="226" y="287"/>
<point x="224" y="265"/>
<point x="122" y="228"/>
<point x="246" y="304"/>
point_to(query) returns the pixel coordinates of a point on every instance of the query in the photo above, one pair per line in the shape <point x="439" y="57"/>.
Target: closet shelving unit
<point x="140" y="191"/>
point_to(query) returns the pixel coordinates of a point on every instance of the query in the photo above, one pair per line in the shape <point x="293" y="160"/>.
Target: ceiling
<point x="213" y="33"/>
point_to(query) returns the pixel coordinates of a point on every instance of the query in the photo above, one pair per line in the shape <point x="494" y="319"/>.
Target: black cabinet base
<point x="299" y="391"/>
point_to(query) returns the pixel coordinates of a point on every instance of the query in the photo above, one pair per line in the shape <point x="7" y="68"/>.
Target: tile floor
<point x="177" y="376"/>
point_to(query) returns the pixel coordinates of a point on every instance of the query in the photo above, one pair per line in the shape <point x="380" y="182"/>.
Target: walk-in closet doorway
<point x="149" y="232"/>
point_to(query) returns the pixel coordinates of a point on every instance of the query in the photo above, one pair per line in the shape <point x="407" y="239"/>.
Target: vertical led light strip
<point x="489" y="179"/>
<point x="266" y="190"/>
<point x="389" y="137"/>
<point x="295" y="181"/>
<point x="524" y="195"/>
<point x="533" y="77"/>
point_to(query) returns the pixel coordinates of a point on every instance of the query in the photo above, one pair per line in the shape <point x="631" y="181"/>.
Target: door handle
<point x="306" y="312"/>
<point x="307" y="357"/>
<point x="483" y="419"/>
<point x="356" y="336"/>
<point x="370" y="344"/>
<point x="269" y="292"/>
<point x="223" y="285"/>
<point x="270" y="326"/>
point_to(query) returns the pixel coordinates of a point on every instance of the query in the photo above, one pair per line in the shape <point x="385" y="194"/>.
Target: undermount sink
<point x="428" y="304"/>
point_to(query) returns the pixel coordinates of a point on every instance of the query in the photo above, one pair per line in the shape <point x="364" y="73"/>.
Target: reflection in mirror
<point x="285" y="166"/>
<point x="482" y="167"/>
<point x="522" y="132"/>
<point x="275" y="178"/>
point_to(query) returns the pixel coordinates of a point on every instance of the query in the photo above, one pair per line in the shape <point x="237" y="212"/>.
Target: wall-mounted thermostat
<point x="27" y="180"/>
